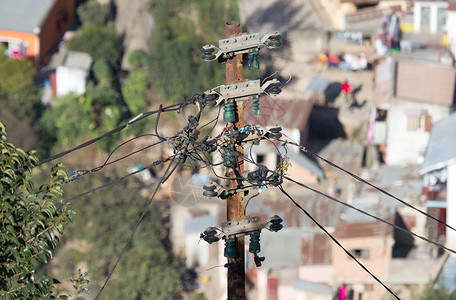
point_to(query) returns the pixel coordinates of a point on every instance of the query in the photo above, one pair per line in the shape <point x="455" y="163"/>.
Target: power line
<point x="163" y="179"/>
<point x="181" y="153"/>
<point x="338" y="243"/>
<point x="141" y="116"/>
<point x="156" y="163"/>
<point x="73" y="175"/>
<point x="370" y="215"/>
<point x="368" y="183"/>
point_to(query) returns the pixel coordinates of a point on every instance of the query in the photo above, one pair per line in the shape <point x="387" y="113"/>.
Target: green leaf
<point x="42" y="257"/>
<point x="59" y="228"/>
<point x="61" y="173"/>
<point x="15" y="253"/>
<point x="15" y="240"/>
<point x="10" y="217"/>
<point x="10" y="229"/>
<point x="27" y="252"/>
<point x="21" y="152"/>
<point x="7" y="180"/>
<point x="10" y="173"/>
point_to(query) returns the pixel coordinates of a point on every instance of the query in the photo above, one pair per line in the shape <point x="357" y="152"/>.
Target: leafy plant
<point x="181" y="28"/>
<point x="101" y="42"/>
<point x="93" y="13"/>
<point x="31" y="222"/>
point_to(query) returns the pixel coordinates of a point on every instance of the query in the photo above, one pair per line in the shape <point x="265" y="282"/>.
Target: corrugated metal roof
<point x="313" y="287"/>
<point x="23" y="15"/>
<point x="282" y="249"/>
<point x="199" y="224"/>
<point x="286" y="113"/>
<point x="441" y="149"/>
<point x="77" y="60"/>
<point x="318" y="85"/>
<point x="425" y="82"/>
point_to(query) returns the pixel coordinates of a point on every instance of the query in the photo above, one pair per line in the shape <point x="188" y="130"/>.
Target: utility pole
<point x="235" y="203"/>
<point x="231" y="51"/>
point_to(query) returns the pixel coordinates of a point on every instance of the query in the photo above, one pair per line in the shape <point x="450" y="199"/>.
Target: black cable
<point x="138" y="222"/>
<point x="106" y="163"/>
<point x="369" y="184"/>
<point x="155" y="163"/>
<point x="339" y="244"/>
<point x="370" y="215"/>
<point x="174" y="107"/>
<point x="132" y="153"/>
<point x="361" y="211"/>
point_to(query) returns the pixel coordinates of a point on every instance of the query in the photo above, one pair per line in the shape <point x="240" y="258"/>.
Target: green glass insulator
<point x="274" y="136"/>
<point x="275" y="129"/>
<point x="207" y="54"/>
<point x="229" y="113"/>
<point x="274" y="89"/>
<point x="253" y="59"/>
<point x="210" y="194"/>
<point x="254" y="246"/>
<point x="276" y="223"/>
<point x="228" y="159"/>
<point x="230" y="247"/>
<point x="210" y="100"/>
<point x="209" y="235"/>
<point x="273" y="42"/>
<point x="209" y="186"/>
<point x="256" y="106"/>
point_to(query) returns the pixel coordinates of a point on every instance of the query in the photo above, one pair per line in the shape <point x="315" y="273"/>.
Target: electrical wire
<point x="338" y="243"/>
<point x="359" y="210"/>
<point x="141" y="116"/>
<point x="107" y="162"/>
<point x="156" y="163"/>
<point x="370" y="215"/>
<point x="165" y="176"/>
<point x="367" y="182"/>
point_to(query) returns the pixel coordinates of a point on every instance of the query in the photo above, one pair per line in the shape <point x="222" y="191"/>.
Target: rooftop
<point x="441" y="150"/>
<point x="23" y="15"/>
<point x="286" y="113"/>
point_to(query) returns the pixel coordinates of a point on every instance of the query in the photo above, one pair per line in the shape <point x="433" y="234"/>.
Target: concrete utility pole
<point x="235" y="203"/>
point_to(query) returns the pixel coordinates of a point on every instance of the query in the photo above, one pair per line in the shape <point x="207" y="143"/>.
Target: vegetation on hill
<point x="32" y="220"/>
<point x="20" y="100"/>
<point x="181" y="29"/>
<point x="171" y="69"/>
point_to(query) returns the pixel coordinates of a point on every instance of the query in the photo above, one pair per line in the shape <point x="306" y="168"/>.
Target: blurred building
<point x="32" y="28"/>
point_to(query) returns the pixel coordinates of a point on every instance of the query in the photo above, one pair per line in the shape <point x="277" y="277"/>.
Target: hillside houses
<point x="32" y="29"/>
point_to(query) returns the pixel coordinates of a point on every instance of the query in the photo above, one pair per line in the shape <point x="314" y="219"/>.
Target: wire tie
<point x="134" y="119"/>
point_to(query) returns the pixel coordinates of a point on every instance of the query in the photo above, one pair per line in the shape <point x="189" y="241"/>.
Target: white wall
<point x="70" y="80"/>
<point x="451" y="30"/>
<point x="451" y="206"/>
<point x="434" y="6"/>
<point x="196" y="251"/>
<point x="408" y="147"/>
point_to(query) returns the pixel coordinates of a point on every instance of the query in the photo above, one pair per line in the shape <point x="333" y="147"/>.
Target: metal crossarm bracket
<point x="240" y="44"/>
<point x="242" y="227"/>
<point x="238" y="90"/>
<point x="235" y="45"/>
<point x="242" y="90"/>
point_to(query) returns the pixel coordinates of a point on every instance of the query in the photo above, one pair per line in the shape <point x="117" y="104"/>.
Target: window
<point x="360" y="253"/>
<point x="425" y="19"/>
<point x="62" y="18"/>
<point x="441" y="18"/>
<point x="260" y="158"/>
<point x="419" y="123"/>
